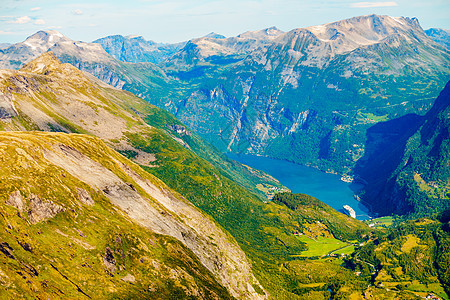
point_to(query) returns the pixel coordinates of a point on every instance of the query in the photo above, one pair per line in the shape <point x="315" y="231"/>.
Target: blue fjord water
<point x="300" y="179"/>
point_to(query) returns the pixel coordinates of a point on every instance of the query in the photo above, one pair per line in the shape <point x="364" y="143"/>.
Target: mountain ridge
<point x="136" y="49"/>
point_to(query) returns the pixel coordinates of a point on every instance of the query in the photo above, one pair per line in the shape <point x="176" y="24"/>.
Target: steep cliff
<point x="407" y="162"/>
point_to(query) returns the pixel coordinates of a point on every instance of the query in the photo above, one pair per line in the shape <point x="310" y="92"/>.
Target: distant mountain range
<point x="4" y="45"/>
<point x="85" y="56"/>
<point x="136" y="49"/>
<point x="211" y="51"/>
<point x="440" y="36"/>
<point x="16" y="55"/>
<point x="308" y="95"/>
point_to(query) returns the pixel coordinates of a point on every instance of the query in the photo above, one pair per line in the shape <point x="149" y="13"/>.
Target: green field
<point x="424" y="289"/>
<point x="322" y="246"/>
<point x="370" y="118"/>
<point x="347" y="250"/>
<point x="383" y="222"/>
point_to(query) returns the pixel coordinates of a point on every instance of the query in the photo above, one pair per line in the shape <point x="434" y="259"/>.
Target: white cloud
<point x="5" y="32"/>
<point x="39" y="22"/>
<point x="77" y="12"/>
<point x="373" y="4"/>
<point x="35" y="8"/>
<point x="21" y="20"/>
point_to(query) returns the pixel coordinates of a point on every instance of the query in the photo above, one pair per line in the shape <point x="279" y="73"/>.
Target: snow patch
<point x="30" y="45"/>
<point x="398" y="20"/>
<point x="39" y="67"/>
<point x="318" y="29"/>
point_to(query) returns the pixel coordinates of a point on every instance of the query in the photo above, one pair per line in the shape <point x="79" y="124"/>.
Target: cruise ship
<point x="350" y="211"/>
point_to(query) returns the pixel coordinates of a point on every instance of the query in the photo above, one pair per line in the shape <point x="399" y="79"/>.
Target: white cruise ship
<point x="350" y="211"/>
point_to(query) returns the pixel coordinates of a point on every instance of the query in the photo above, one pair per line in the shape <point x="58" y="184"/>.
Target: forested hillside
<point x="407" y="162"/>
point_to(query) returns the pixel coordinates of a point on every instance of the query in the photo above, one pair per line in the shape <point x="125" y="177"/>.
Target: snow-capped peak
<point x="43" y="40"/>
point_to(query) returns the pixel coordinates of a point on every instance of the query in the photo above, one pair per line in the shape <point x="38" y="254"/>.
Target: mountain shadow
<point x="406" y="162"/>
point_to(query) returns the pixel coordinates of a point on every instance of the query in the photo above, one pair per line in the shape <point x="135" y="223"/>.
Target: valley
<point x="218" y="167"/>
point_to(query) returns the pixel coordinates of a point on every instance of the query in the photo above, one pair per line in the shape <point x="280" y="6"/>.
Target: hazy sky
<point x="179" y="20"/>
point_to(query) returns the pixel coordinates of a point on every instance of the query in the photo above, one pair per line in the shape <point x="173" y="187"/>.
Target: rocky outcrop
<point x="6" y="250"/>
<point x="109" y="261"/>
<point x="38" y="210"/>
<point x="85" y="197"/>
<point x="16" y="200"/>
<point x="41" y="210"/>
<point x="180" y="129"/>
<point x="129" y="278"/>
<point x="7" y="109"/>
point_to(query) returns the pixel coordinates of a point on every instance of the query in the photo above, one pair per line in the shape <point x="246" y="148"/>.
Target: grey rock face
<point x="7" y="109"/>
<point x="85" y="197"/>
<point x="16" y="200"/>
<point x="109" y="261"/>
<point x="41" y="210"/>
<point x="180" y="129"/>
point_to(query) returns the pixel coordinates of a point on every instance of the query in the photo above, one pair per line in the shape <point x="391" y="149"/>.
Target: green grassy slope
<point x="162" y="119"/>
<point x="411" y="258"/>
<point x="64" y="238"/>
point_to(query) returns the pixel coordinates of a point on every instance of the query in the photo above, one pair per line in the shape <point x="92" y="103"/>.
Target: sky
<point x="172" y="21"/>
